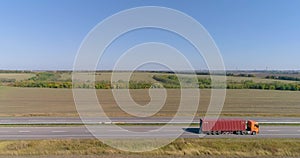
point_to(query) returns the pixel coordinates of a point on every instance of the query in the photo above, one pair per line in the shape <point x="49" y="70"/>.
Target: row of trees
<point x="288" y="78"/>
<point x="240" y="75"/>
<point x="124" y="85"/>
<point x="14" y="71"/>
<point x="249" y="84"/>
<point x="52" y="80"/>
<point x="172" y="81"/>
<point x="96" y="85"/>
<point x="203" y="83"/>
<point x="42" y="84"/>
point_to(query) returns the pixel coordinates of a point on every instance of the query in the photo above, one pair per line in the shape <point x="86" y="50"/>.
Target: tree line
<point x="96" y="85"/>
<point x="171" y="81"/>
<point x="54" y="80"/>
<point x="288" y="78"/>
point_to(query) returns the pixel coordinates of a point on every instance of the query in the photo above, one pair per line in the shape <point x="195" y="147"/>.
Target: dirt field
<point x="17" y="76"/>
<point x="59" y="102"/>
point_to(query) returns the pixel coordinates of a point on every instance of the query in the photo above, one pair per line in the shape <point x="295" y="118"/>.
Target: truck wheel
<point x="254" y="133"/>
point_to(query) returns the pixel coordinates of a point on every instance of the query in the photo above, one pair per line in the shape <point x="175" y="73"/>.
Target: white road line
<point x="58" y="131"/>
<point x="274" y="130"/>
<point x="24" y="131"/>
<point x="298" y="130"/>
<point x="43" y="135"/>
<point x="280" y="134"/>
<point x="263" y="120"/>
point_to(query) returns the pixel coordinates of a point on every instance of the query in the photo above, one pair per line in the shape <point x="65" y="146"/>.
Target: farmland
<point x="59" y="102"/>
<point x="16" y="76"/>
<point x="55" y="102"/>
<point x="16" y="101"/>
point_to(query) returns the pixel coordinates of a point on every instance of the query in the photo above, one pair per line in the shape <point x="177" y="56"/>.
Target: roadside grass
<point x="181" y="147"/>
<point x="36" y="102"/>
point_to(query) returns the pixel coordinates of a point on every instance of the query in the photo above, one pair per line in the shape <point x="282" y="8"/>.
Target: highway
<point x="107" y="131"/>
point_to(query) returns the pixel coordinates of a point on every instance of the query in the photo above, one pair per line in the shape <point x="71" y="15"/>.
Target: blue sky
<point x="254" y="35"/>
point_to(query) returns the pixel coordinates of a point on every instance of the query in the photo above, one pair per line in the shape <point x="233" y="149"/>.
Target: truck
<point x="228" y="126"/>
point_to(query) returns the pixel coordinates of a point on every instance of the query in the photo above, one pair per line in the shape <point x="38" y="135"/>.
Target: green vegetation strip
<point x="154" y="80"/>
<point x="172" y="81"/>
<point x="180" y="147"/>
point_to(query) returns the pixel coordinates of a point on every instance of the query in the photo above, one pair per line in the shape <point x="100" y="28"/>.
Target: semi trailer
<point x="228" y="126"/>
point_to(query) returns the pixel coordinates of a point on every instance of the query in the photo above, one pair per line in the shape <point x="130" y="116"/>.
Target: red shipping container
<point x="225" y="125"/>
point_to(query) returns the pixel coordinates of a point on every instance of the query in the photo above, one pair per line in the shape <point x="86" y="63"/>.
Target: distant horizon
<point x="109" y="70"/>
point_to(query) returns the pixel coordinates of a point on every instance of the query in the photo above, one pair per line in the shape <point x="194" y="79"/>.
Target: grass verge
<point x="180" y="147"/>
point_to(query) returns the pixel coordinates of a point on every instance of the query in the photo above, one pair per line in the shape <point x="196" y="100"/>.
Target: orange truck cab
<point x="252" y="127"/>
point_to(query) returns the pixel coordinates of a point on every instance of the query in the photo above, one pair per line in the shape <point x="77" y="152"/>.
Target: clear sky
<point x="251" y="34"/>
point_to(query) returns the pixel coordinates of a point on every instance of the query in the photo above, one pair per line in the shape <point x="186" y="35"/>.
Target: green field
<point x="179" y="148"/>
<point x="59" y="102"/>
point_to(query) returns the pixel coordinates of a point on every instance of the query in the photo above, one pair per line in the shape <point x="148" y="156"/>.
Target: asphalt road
<point x="105" y="128"/>
<point x="108" y="131"/>
<point x="99" y="120"/>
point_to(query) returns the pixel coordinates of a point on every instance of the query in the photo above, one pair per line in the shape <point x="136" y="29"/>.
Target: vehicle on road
<point x="228" y="126"/>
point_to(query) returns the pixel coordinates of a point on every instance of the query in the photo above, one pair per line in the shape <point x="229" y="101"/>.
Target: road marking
<point x="274" y="130"/>
<point x="298" y="130"/>
<point x="280" y="134"/>
<point x="24" y="131"/>
<point x="20" y="137"/>
<point x="58" y="131"/>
